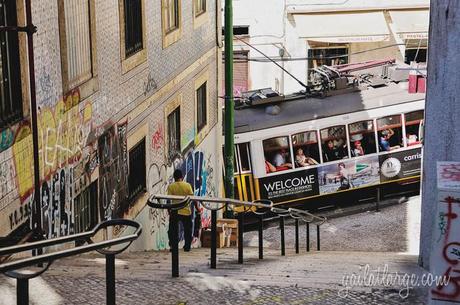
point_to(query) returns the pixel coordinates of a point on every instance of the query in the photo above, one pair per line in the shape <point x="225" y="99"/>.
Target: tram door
<point x="244" y="182"/>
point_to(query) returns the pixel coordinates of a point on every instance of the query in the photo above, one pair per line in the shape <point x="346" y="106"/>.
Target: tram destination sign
<point x="290" y="186"/>
<point x="400" y="164"/>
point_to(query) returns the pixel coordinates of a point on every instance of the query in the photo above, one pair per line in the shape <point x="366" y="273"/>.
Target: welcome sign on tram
<point x="342" y="176"/>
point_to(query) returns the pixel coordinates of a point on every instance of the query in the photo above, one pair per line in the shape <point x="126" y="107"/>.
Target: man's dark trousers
<point x="187" y="225"/>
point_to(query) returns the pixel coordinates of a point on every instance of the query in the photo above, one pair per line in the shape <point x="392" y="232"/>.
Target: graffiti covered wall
<point x="198" y="165"/>
<point x="71" y="149"/>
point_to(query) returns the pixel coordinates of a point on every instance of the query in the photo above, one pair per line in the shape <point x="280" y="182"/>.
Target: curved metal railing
<point x="258" y="207"/>
<point x="13" y="268"/>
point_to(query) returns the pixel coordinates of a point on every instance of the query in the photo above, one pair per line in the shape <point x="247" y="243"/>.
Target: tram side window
<point x="277" y="154"/>
<point x="414" y="120"/>
<point x="362" y="138"/>
<point x="306" y="149"/>
<point x="334" y="143"/>
<point x="389" y="132"/>
<point x="243" y="153"/>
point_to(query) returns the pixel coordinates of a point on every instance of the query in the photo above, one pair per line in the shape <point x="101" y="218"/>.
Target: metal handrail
<point x="154" y="202"/>
<point x="49" y="257"/>
<point x="212" y="200"/>
<point x="296" y="213"/>
<point x="12" y="268"/>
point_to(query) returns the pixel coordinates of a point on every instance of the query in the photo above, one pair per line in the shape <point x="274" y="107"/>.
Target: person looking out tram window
<point x="385" y="140"/>
<point x="332" y="152"/>
<point x="302" y="160"/>
<point x="280" y="160"/>
<point x="358" y="150"/>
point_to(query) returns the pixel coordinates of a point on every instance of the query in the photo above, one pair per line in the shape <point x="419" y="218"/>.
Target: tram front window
<point x="390" y="133"/>
<point x="362" y="138"/>
<point x="277" y="154"/>
<point x="334" y="143"/>
<point x="306" y="150"/>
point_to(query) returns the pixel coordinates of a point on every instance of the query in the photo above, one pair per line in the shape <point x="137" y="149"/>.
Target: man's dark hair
<point x="178" y="174"/>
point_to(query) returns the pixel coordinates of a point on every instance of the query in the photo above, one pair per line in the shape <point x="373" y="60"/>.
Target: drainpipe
<point x="229" y="102"/>
<point x="31" y="30"/>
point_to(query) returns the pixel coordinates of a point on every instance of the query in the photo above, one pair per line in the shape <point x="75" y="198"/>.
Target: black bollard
<point x="240" y="237"/>
<point x="174" y="244"/>
<point x="296" y="236"/>
<point x="283" y="244"/>
<point x="317" y="238"/>
<point x="307" y="225"/>
<point x="213" y="239"/>
<point x="110" y="278"/>
<point x="22" y="291"/>
<point x="377" y="203"/>
<point x="261" y="237"/>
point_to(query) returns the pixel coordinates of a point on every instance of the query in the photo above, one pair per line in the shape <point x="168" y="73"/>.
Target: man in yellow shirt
<point x="184" y="215"/>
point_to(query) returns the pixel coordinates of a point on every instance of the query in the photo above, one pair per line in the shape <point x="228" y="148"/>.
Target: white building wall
<point x="272" y="27"/>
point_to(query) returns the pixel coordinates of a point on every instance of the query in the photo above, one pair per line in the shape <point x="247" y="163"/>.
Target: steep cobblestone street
<point x="145" y="278"/>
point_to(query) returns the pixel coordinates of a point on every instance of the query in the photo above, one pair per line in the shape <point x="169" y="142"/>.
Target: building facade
<point x="309" y="33"/>
<point x="127" y="91"/>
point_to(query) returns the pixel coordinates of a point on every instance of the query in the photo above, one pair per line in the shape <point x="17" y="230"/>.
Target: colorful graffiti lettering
<point x="113" y="172"/>
<point x="6" y="139"/>
<point x="198" y="171"/>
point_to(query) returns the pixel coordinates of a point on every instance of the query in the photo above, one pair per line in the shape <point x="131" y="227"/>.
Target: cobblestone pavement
<point x="395" y="229"/>
<point x="145" y="278"/>
<point x="305" y="278"/>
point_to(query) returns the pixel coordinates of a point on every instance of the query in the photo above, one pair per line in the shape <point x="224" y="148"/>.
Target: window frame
<point x="204" y="104"/>
<point x="170" y="35"/>
<point x="314" y="46"/>
<point x="91" y="85"/>
<point x="133" y="60"/>
<point x="374" y="133"/>
<point x="201" y="131"/>
<point x="420" y="124"/>
<point x="238" y="157"/>
<point x="378" y="129"/>
<point x="140" y="188"/>
<point x="347" y="141"/>
<point x="318" y="146"/>
<point x="289" y="149"/>
<point x="23" y="84"/>
<point x="200" y="17"/>
<point x="170" y="153"/>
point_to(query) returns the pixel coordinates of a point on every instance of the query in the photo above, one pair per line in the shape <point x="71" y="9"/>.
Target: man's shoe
<point x="186" y="249"/>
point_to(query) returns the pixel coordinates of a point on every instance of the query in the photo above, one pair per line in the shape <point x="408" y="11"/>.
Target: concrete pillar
<point x="442" y="128"/>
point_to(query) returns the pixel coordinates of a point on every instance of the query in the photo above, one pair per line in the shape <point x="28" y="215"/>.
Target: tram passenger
<point x="358" y="150"/>
<point x="269" y="168"/>
<point x="302" y="160"/>
<point x="281" y="160"/>
<point x="385" y="140"/>
<point x="331" y="152"/>
<point x="411" y="139"/>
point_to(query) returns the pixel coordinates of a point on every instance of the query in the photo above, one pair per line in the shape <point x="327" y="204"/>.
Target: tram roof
<point x="302" y="109"/>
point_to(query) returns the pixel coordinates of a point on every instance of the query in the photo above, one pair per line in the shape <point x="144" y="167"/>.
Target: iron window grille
<point x="174" y="133"/>
<point x="133" y="26"/>
<point x="10" y="70"/>
<point x="137" y="172"/>
<point x="201" y="100"/>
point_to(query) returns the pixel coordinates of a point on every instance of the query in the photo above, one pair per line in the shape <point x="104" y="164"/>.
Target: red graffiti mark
<point x="158" y="139"/>
<point x="441" y="291"/>
<point x="451" y="172"/>
<point x="450" y="214"/>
